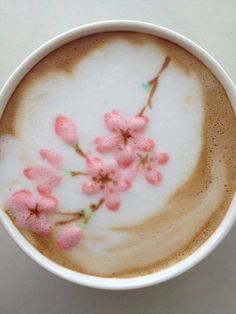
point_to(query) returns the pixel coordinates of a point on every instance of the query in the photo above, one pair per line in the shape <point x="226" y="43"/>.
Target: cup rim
<point x="225" y="225"/>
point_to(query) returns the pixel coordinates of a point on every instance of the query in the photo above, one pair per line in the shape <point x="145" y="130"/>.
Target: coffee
<point x="118" y="154"/>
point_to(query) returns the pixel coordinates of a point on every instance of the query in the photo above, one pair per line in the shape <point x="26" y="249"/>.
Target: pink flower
<point x="69" y="237"/>
<point x="66" y="130"/>
<point x="47" y="179"/>
<point x="147" y="163"/>
<point x="105" y="179"/>
<point x="30" y="212"/>
<point x="126" y="138"/>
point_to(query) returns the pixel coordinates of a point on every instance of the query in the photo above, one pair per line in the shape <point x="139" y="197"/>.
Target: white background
<point x="27" y="288"/>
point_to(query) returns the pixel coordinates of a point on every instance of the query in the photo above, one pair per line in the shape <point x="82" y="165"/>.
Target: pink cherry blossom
<point x="69" y="237"/>
<point x="126" y="138"/>
<point x="47" y="178"/>
<point x="31" y="211"/>
<point x="66" y="130"/>
<point x="146" y="163"/>
<point x="51" y="157"/>
<point x="105" y="179"/>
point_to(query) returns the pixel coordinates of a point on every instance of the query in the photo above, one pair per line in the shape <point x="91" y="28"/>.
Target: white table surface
<point x="27" y="288"/>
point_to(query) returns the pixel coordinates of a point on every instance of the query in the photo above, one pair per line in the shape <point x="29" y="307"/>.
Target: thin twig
<point x="80" y="151"/>
<point x="154" y="82"/>
<point x="95" y="207"/>
<point x="64" y="222"/>
<point x="78" y="173"/>
<point x="66" y="214"/>
<point x="78" y="215"/>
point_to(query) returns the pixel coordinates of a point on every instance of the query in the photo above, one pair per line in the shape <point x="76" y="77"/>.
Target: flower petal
<point x="146" y="145"/>
<point x="50" y="184"/>
<point x="94" y="165"/>
<point x="106" y="143"/>
<point x="69" y="237"/>
<point x="113" y="120"/>
<point x="162" y="158"/>
<point x="112" y="201"/>
<point x="19" y="201"/>
<point x="66" y="130"/>
<point x="138" y="123"/>
<point x="52" y="158"/>
<point x="40" y="226"/>
<point x="154" y="177"/>
<point x="36" y="173"/>
<point x="90" y="188"/>
<point x="125" y="185"/>
<point x="21" y="218"/>
<point x="125" y="156"/>
<point x="112" y="168"/>
<point x="47" y="204"/>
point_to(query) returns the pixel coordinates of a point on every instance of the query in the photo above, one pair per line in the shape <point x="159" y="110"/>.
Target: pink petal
<point x="22" y="193"/>
<point x="69" y="237"/>
<point x="36" y="173"/>
<point x="146" y="145"/>
<point x="125" y="157"/>
<point x="50" y="184"/>
<point x="112" y="168"/>
<point x="19" y="201"/>
<point x="138" y="123"/>
<point x="94" y="165"/>
<point x="66" y="130"/>
<point x="21" y="218"/>
<point x="90" y="188"/>
<point x="113" y="206"/>
<point x="106" y="143"/>
<point x="113" y="120"/>
<point x="112" y="201"/>
<point x="47" y="204"/>
<point x="162" y="158"/>
<point x="125" y="185"/>
<point x="41" y="226"/>
<point x="52" y="158"/>
<point x="18" y="205"/>
<point x="154" y="177"/>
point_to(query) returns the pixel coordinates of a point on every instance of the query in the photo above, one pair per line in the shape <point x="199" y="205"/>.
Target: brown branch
<point x="78" y="173"/>
<point x="66" y="214"/>
<point x="78" y="215"/>
<point x="80" y="151"/>
<point x="154" y="82"/>
<point x="95" y="207"/>
<point x="64" y="222"/>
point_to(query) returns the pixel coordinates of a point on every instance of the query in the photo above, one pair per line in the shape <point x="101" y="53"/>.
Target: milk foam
<point x="111" y="77"/>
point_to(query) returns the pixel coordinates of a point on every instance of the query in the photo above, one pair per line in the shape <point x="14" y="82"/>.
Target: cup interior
<point x="204" y="249"/>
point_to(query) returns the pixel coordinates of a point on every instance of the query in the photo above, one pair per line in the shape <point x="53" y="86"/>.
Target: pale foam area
<point x="109" y="78"/>
<point x="11" y="167"/>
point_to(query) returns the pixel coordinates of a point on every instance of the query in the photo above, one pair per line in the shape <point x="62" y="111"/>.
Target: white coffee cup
<point x="206" y="247"/>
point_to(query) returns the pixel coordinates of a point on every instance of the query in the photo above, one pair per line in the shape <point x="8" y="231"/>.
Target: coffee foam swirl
<point x="193" y="205"/>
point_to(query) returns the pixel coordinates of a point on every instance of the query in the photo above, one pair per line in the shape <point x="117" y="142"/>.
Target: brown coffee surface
<point x="217" y="159"/>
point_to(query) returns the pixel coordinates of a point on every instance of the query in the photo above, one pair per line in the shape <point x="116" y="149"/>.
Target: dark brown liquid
<point x="219" y="148"/>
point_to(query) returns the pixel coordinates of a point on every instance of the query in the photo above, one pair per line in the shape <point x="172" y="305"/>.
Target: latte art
<point x="118" y="147"/>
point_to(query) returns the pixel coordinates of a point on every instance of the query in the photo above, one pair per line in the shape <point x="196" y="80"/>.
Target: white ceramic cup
<point x="203" y="250"/>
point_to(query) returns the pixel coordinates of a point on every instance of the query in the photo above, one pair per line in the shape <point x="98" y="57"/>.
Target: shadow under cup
<point x="209" y="244"/>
